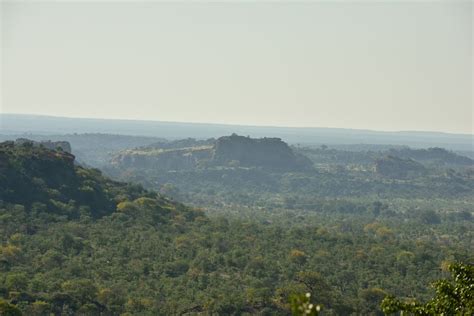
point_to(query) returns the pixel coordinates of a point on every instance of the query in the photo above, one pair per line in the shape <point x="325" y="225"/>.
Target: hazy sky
<point x="386" y="65"/>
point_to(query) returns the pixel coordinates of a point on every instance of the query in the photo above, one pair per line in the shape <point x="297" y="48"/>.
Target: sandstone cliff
<point x="272" y="153"/>
<point x="227" y="151"/>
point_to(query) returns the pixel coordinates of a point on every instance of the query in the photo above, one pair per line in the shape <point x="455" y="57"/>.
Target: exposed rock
<point x="181" y="143"/>
<point x="164" y="159"/>
<point x="270" y="153"/>
<point x="227" y="151"/>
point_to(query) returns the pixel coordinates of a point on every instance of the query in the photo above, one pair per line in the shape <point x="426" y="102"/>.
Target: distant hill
<point x="17" y="124"/>
<point x="430" y="157"/>
<point x="227" y="151"/>
<point x="439" y="156"/>
<point x="396" y="167"/>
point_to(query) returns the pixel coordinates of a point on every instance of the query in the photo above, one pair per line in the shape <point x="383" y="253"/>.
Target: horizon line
<point x="234" y="124"/>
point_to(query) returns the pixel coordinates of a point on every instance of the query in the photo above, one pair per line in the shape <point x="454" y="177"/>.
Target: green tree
<point x="7" y="309"/>
<point x="17" y="281"/>
<point x="316" y="286"/>
<point x="301" y="306"/>
<point x="452" y="298"/>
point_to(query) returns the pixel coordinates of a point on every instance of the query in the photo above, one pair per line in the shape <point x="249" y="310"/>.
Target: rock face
<point x="399" y="168"/>
<point x="227" y="151"/>
<point x="182" y="143"/>
<point x="164" y="159"/>
<point x="270" y="153"/>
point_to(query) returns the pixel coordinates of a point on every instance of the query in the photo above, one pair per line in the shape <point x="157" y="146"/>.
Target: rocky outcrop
<point x="227" y="151"/>
<point x="172" y="159"/>
<point x="270" y="153"/>
<point x="181" y="143"/>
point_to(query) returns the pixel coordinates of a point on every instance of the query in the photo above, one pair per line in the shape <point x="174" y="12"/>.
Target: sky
<point x="381" y="65"/>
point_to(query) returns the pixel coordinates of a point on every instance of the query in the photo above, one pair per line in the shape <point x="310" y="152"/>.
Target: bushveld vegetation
<point x="76" y="242"/>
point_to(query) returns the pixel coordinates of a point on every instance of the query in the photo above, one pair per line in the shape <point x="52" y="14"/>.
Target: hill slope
<point x="44" y="178"/>
<point x="56" y="221"/>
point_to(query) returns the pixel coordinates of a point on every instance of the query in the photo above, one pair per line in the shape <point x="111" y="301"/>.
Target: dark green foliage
<point x="453" y="297"/>
<point x="7" y="309"/>
<point x="54" y="252"/>
<point x="43" y="179"/>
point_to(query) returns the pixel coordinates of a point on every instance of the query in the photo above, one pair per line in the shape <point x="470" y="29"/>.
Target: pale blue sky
<point x="382" y="65"/>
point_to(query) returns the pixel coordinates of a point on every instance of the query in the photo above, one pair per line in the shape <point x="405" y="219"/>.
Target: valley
<point x="266" y="221"/>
